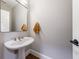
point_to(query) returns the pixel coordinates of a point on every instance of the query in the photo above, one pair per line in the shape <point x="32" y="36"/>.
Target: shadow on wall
<point x="39" y="41"/>
<point x="42" y="45"/>
<point x="1" y="45"/>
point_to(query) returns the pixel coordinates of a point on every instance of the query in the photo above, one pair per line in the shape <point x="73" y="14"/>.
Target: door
<point x="75" y="29"/>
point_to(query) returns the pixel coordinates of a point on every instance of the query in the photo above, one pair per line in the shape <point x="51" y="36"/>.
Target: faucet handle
<point x="20" y="38"/>
<point x="15" y="39"/>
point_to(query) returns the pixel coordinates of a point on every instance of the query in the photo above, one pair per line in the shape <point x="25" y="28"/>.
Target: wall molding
<point x="37" y="54"/>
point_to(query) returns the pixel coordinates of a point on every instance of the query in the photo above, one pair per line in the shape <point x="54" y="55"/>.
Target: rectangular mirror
<point x="13" y="16"/>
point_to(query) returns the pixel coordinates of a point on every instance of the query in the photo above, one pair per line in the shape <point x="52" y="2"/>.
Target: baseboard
<point x="37" y="54"/>
<point x="28" y="52"/>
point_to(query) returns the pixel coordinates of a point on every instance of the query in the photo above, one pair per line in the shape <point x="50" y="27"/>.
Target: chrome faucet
<point x="18" y="38"/>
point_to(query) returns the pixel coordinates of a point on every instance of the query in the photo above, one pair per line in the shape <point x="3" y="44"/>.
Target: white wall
<point x="19" y="17"/>
<point x="55" y="17"/>
<point x="55" y="20"/>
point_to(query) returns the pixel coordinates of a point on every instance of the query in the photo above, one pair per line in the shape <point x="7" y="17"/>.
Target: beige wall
<point x="55" y="18"/>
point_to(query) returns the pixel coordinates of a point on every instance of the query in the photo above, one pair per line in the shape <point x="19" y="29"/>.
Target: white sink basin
<point x="14" y="45"/>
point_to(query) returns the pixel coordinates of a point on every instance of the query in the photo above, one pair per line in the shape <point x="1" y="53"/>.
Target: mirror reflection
<point x="13" y="15"/>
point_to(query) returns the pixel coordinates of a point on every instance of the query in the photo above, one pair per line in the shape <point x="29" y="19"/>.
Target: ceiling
<point x="14" y="2"/>
<point x="10" y="2"/>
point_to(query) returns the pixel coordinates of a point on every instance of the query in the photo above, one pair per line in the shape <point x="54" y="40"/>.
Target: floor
<point x="30" y="56"/>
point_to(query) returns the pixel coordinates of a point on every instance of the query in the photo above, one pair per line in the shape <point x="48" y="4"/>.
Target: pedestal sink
<point x="19" y="45"/>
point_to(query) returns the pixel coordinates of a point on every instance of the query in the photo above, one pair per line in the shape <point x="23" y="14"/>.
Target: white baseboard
<point x="28" y="52"/>
<point x="37" y="54"/>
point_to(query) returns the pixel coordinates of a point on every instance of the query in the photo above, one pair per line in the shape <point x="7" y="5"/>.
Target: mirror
<point x="13" y="15"/>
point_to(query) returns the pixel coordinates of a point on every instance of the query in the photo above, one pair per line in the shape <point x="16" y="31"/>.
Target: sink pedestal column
<point x="21" y="53"/>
